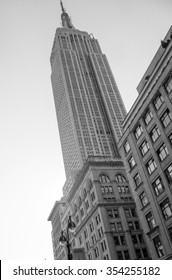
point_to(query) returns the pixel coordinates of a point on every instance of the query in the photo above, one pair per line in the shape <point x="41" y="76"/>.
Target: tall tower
<point x="90" y="113"/>
<point x="89" y="107"/>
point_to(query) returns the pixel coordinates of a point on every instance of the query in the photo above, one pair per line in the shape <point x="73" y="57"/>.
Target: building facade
<point x="97" y="193"/>
<point x="146" y="149"/>
<point x="102" y="206"/>
<point x="90" y="113"/>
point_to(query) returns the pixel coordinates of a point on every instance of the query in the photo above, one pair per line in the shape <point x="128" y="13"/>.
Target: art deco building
<point x="90" y="113"/>
<point x="146" y="148"/>
<point x="88" y="103"/>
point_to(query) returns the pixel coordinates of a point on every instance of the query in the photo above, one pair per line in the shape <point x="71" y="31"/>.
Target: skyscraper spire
<point x="61" y="3"/>
<point x="66" y="21"/>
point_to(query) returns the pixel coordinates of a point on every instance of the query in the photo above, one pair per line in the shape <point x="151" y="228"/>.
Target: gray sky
<point x="32" y="172"/>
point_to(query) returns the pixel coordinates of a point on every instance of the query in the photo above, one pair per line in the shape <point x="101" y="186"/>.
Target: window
<point x="91" y="227"/>
<point x="123" y="189"/>
<point x="158" y="101"/>
<point x="133" y="225"/>
<point x="92" y="196"/>
<point x="77" y="219"/>
<point x="116" y="240"/>
<point x="80" y="239"/>
<point x="148" y="117"/>
<point x="131" y="162"/>
<point x="126" y="255"/>
<point x="79" y="201"/>
<point x="87" y="245"/>
<point x="85" y="233"/>
<point x="150" y="220"/>
<point x="82" y="212"/>
<point x="155" y="133"/>
<point x="113" y="226"/>
<point x="158" y="186"/>
<point x="119" y="255"/>
<point x="162" y="152"/>
<point x="75" y="208"/>
<point x="116" y="213"/>
<point x="137" y="238"/>
<point x="136" y="225"/>
<point x="138" y="131"/>
<point x="87" y="204"/>
<point x="109" y="199"/>
<point x="144" y="148"/>
<point x="113" y="213"/>
<point x="130" y="212"/>
<point x="134" y="239"/>
<point x="122" y="240"/>
<point x="109" y="212"/>
<point x="137" y="179"/>
<point x="168" y="173"/>
<point x="96" y="252"/>
<point x="104" y="178"/>
<point x="166" y="208"/>
<point x="170" y="138"/>
<point x="166" y="118"/>
<point x="133" y="212"/>
<point x="106" y="257"/>
<point x="97" y="218"/>
<point x="143" y="199"/>
<point x="106" y="189"/>
<point x="151" y="166"/>
<point x="138" y="254"/>
<point x="141" y="253"/>
<point x="93" y="239"/>
<point x="170" y="232"/>
<point x="168" y="85"/>
<point x="103" y="245"/>
<point x="85" y="193"/>
<point x="158" y="246"/>
<point x="145" y="253"/>
<point x="127" y="147"/>
<point x="100" y="232"/>
<point x="90" y="184"/>
<point x="123" y="255"/>
<point x="119" y="226"/>
<point x="120" y="178"/>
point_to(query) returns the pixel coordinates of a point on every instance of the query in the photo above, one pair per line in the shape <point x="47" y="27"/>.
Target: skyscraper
<point x="88" y="104"/>
<point x="90" y="113"/>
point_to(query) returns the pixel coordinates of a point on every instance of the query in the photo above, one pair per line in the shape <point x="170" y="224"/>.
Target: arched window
<point x="104" y="178"/>
<point x="120" y="178"/>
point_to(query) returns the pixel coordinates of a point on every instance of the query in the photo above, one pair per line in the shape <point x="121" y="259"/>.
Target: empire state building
<point x="96" y="195"/>
<point x="88" y="104"/>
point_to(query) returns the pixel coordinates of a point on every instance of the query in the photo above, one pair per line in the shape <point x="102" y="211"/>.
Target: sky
<point x="31" y="165"/>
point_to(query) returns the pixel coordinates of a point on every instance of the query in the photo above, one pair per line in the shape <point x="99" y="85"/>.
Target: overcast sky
<point x="32" y="172"/>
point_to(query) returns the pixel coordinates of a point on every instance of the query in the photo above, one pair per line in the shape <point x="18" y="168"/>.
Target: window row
<point x="162" y="153"/>
<point x="119" y="178"/>
<point x="166" y="210"/>
<point x="157" y="185"/>
<point x="165" y="118"/>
